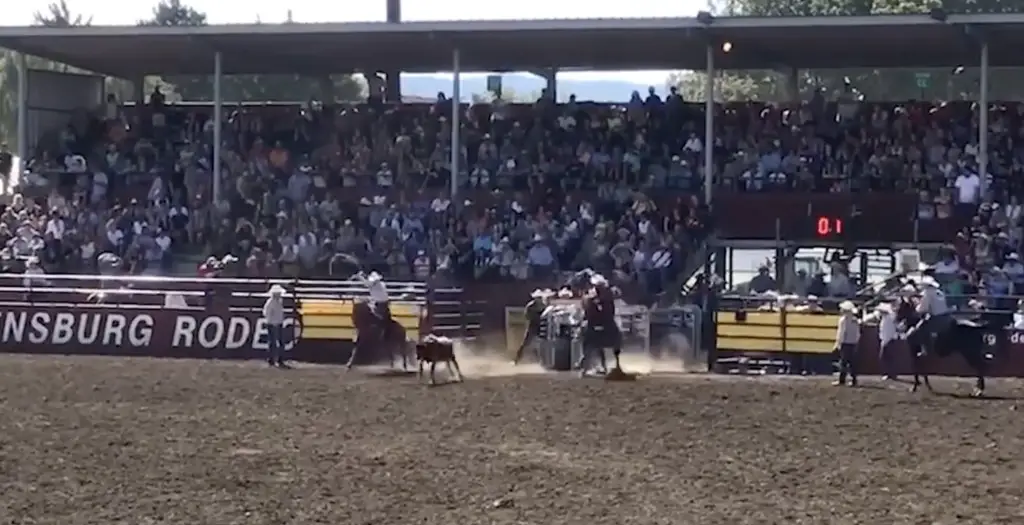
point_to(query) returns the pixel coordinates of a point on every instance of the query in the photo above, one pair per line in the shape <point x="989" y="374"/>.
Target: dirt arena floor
<point x="136" y="442"/>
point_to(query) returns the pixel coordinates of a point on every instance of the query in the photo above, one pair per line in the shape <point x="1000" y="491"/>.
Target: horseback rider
<point x="379" y="301"/>
<point x="581" y="280"/>
<point x="539" y="300"/>
<point x="936" y="315"/>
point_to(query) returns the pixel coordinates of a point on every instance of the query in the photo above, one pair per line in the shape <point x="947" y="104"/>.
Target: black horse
<point x="372" y="332"/>
<point x="977" y="340"/>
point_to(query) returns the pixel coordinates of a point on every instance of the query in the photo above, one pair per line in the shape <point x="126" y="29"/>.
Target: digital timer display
<point x="828" y="226"/>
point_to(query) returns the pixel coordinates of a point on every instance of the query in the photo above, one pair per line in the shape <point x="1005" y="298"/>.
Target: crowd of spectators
<point x="320" y="189"/>
<point x="545" y="188"/>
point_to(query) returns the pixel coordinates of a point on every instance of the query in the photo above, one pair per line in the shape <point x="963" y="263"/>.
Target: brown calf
<point x="436" y="350"/>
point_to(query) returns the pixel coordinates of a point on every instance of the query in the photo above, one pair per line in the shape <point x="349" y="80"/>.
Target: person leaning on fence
<point x="888" y="335"/>
<point x="538" y="302"/>
<point x="273" y="315"/>
<point x="847" y="339"/>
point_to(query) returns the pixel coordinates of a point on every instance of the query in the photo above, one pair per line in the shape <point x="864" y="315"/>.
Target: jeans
<point x="275" y="343"/>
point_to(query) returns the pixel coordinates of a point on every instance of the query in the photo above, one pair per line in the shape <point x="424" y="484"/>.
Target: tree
<point x="244" y="88"/>
<point x="56" y="14"/>
<point x="871" y="84"/>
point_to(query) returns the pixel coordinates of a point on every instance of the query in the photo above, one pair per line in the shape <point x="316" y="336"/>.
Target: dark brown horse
<point x="372" y="332"/>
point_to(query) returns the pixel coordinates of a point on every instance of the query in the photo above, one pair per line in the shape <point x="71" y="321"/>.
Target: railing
<point x="447" y="313"/>
<point x="745" y="323"/>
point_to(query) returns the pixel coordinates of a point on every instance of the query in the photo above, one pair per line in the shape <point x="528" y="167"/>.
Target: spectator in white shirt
<point x="968" y="194"/>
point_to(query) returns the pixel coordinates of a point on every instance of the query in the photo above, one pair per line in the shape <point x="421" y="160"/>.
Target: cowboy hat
<point x="565" y="292"/>
<point x="598" y="280"/>
<point x="542" y="292"/>
<point x="929" y="281"/>
<point x="847" y="307"/>
<point x="885" y="308"/>
<point x="373" y="277"/>
<point x="909" y="289"/>
<point x="276" y="289"/>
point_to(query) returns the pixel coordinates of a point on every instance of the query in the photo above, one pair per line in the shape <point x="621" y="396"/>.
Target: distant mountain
<point x="525" y="86"/>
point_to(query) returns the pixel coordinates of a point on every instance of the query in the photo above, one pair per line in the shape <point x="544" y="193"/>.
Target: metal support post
<point x="23" y="152"/>
<point x="983" y="120"/>
<point x="709" y="125"/>
<point x="456" y="122"/>
<point x="218" y="118"/>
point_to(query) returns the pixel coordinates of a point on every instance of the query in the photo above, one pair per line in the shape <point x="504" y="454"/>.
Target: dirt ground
<point x="135" y="442"/>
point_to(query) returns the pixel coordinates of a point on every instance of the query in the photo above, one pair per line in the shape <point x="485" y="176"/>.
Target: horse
<point x="968" y="337"/>
<point x="371" y="330"/>
<point x="436" y="349"/>
<point x="600" y="331"/>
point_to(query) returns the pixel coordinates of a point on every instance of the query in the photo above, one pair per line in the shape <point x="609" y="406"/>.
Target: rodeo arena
<point x="437" y="312"/>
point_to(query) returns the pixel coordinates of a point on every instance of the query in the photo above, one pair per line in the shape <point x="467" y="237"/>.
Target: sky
<point x="128" y="12"/>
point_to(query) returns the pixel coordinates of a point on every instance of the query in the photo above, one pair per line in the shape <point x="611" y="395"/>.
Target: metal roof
<point x="507" y="45"/>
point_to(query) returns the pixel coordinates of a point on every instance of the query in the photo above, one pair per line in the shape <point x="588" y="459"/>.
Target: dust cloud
<point x="478" y="360"/>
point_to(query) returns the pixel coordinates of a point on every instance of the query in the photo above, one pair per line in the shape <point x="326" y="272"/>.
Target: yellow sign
<point x="327" y="319"/>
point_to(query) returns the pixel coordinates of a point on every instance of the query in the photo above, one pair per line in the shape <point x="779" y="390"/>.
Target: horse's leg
<point x="433" y="367"/>
<point x="458" y="370"/>
<point x="976" y="360"/>
<point x="419" y="374"/>
<point x="405" y="354"/>
<point x="355" y="350"/>
<point x="617" y="348"/>
<point x="453" y="368"/>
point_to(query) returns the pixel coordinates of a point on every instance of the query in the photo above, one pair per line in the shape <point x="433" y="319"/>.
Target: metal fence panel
<point x="676" y="332"/>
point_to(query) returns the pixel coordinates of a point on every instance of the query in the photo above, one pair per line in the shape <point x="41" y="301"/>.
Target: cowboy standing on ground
<point x="273" y="314"/>
<point x="847" y="338"/>
<point x="534" y="309"/>
<point x="887" y="337"/>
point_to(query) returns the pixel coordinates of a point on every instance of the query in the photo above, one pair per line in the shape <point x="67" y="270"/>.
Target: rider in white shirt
<point x="379" y="300"/>
<point x="932" y="306"/>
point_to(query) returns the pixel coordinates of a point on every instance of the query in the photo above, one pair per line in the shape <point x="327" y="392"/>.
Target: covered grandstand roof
<point x="662" y="43"/>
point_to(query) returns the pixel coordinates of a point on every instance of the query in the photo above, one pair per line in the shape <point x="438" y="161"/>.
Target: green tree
<point x="245" y="88"/>
<point x="872" y="84"/>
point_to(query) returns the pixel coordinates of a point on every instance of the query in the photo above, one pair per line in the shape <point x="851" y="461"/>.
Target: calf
<point x="436" y="349"/>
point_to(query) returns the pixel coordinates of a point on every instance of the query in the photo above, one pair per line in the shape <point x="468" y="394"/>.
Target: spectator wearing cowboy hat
<point x="273" y="314"/>
<point x="847" y="339"/>
<point x="539" y="300"/>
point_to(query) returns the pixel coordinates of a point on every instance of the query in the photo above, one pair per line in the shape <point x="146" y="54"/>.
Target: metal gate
<point x="675" y="331"/>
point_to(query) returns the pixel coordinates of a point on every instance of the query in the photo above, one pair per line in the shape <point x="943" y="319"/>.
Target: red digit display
<point x="823" y="226"/>
<point x="827" y="226"/>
